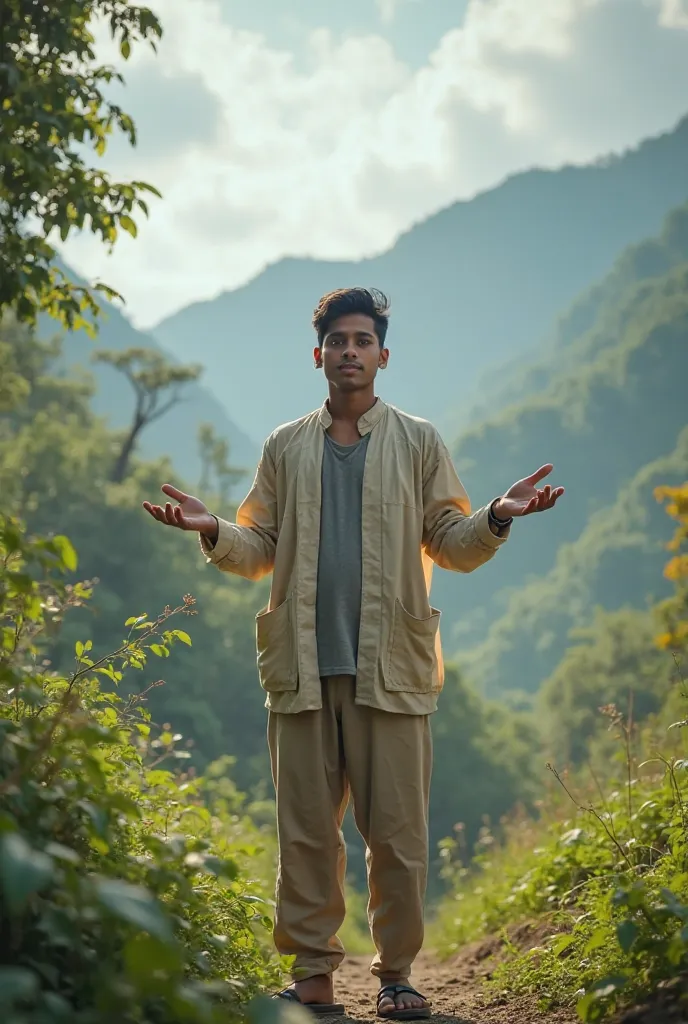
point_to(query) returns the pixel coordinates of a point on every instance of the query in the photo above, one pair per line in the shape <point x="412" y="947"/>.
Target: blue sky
<point x="413" y="27"/>
<point x="322" y="128"/>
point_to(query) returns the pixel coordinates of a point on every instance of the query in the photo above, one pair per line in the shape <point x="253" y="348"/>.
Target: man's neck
<point x="348" y="408"/>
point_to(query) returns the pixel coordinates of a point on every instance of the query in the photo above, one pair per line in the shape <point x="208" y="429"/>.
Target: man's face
<point x="351" y="354"/>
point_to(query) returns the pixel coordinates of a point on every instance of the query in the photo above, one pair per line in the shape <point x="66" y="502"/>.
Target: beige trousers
<point x="383" y="761"/>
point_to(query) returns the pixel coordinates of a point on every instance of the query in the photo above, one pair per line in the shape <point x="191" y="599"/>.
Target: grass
<point x="604" y="868"/>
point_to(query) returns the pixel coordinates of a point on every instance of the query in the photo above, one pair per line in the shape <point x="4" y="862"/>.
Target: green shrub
<point x="124" y="893"/>
<point x="609" y="882"/>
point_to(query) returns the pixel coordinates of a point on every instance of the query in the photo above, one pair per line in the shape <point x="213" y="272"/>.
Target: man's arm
<point x="247" y="547"/>
<point x="452" y="536"/>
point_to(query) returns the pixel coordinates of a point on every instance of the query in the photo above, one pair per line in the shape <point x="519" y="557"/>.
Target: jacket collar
<point x="366" y="422"/>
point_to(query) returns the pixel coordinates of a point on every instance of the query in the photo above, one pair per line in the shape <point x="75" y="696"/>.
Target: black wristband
<point x="495" y="520"/>
<point x="213" y="543"/>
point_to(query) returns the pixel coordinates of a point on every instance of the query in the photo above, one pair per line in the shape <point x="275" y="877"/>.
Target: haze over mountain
<point x="472" y="287"/>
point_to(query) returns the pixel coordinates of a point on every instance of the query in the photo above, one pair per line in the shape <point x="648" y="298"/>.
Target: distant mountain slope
<point x="595" y="319"/>
<point x="473" y="286"/>
<point x="174" y="434"/>
<point x="610" y="402"/>
<point x="616" y="561"/>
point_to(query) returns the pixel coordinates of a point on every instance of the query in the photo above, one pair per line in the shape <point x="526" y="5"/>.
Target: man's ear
<point x="384" y="358"/>
<point x="317" y="358"/>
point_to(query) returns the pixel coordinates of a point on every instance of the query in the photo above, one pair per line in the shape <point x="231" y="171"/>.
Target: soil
<point x="455" y="988"/>
<point x="458" y="994"/>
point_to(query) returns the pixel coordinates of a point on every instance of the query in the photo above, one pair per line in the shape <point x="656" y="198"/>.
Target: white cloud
<point x="674" y="13"/>
<point x="335" y="159"/>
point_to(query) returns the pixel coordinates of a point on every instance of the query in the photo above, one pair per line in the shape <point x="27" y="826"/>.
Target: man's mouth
<point x="350" y="368"/>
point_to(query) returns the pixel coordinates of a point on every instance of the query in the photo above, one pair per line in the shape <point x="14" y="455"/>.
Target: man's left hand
<point x="525" y="496"/>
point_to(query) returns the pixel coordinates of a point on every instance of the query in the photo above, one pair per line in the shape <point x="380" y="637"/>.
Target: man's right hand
<point x="189" y="514"/>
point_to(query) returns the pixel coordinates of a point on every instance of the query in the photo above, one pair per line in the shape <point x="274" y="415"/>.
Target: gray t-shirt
<point x="338" y="601"/>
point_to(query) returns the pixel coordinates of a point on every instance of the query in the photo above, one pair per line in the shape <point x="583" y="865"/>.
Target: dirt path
<point x="455" y="988"/>
<point x="458" y="995"/>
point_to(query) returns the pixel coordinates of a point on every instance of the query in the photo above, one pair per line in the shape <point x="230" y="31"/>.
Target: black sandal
<point x="317" y="1009"/>
<point x="409" y="1013"/>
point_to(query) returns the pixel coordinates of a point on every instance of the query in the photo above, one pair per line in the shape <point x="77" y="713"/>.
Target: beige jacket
<point x="415" y="512"/>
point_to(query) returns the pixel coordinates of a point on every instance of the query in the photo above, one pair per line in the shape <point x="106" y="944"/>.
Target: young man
<point x="349" y="508"/>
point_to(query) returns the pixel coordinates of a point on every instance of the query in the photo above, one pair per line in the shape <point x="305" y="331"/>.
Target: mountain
<point x="616" y="561"/>
<point x="476" y="285"/>
<point x="608" y="406"/>
<point x="175" y="434"/>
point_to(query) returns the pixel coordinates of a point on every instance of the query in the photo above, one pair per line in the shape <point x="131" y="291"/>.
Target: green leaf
<point x="66" y="552"/>
<point x="589" y="1009"/>
<point x="134" y="619"/>
<point x="78" y="648"/>
<point x="598" y="938"/>
<point x="107" y="670"/>
<point x="181" y="635"/>
<point x="23" y="870"/>
<point x="98" y="816"/>
<point x="160" y="650"/>
<point x="146" y="958"/>
<point x="17" y="984"/>
<point x="135" y="904"/>
<point x="263" y="1010"/>
<point x="609" y="986"/>
<point x="128" y="225"/>
<point x="64" y="853"/>
<point x="125" y="805"/>
<point x="592" y="1006"/>
<point x="562" y="943"/>
<point x="125" y="48"/>
<point x="674" y="905"/>
<point x="627" y="933"/>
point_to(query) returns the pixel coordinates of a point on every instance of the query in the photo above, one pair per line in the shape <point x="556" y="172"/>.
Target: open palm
<point x="525" y="497"/>
<point x="189" y="514"/>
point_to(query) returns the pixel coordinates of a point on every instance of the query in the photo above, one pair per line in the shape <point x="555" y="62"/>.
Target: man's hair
<point x="368" y="301"/>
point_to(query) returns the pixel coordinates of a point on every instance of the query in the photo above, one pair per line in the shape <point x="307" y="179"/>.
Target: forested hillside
<point x="607" y="406"/>
<point x="475" y="285"/>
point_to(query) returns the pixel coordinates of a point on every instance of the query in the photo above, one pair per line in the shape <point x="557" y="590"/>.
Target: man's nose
<point x="350" y="349"/>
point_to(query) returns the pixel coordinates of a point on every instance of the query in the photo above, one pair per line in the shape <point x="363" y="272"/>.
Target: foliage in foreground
<point x="56" y="112"/>
<point x="124" y="893"/>
<point x="609" y="882"/>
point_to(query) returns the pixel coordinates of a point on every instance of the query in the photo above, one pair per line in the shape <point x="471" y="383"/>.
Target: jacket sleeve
<point x="453" y="537"/>
<point x="247" y="547"/>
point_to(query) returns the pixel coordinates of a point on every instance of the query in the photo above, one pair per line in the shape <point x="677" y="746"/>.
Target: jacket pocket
<point x="412" y="660"/>
<point x="277" y="663"/>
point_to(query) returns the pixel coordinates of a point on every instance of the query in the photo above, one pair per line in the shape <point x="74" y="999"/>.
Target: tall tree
<point x="52" y="111"/>
<point x="157" y="385"/>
